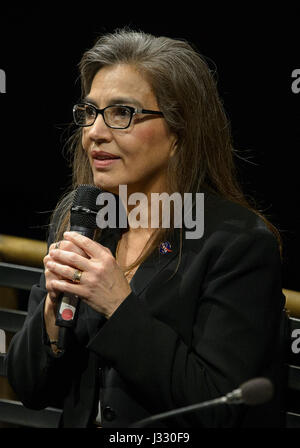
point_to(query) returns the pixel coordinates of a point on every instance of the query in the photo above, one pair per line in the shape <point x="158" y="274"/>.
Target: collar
<point x="150" y="267"/>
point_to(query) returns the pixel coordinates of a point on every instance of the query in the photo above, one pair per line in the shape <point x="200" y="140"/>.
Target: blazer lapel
<point x="154" y="264"/>
<point x="146" y="272"/>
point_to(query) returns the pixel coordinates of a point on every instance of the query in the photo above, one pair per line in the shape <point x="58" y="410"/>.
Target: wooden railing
<point x="21" y="262"/>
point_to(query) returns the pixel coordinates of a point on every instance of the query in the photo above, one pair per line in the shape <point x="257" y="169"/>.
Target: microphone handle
<point x="68" y="304"/>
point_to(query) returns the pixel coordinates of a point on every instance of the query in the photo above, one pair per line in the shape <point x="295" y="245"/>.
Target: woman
<point x="155" y="331"/>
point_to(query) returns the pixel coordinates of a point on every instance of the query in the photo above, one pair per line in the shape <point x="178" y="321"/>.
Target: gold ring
<point x="77" y="276"/>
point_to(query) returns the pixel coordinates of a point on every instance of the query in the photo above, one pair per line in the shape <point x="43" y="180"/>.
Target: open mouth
<point x="103" y="155"/>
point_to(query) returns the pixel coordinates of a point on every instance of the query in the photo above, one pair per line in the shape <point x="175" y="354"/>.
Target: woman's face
<point x="143" y="149"/>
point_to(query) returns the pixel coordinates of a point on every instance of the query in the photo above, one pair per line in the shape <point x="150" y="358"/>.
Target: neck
<point x="144" y="209"/>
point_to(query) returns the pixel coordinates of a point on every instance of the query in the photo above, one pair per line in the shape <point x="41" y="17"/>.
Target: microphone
<point x="253" y="392"/>
<point x="82" y="220"/>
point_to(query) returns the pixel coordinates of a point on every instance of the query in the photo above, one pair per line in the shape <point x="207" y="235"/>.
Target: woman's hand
<point x="50" y="308"/>
<point x="102" y="286"/>
<point x="51" y="275"/>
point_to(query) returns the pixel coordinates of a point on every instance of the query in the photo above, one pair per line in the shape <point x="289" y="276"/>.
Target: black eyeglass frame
<point x="133" y="111"/>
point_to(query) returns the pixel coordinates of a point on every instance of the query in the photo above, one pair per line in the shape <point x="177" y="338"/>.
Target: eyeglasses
<point x="116" y="116"/>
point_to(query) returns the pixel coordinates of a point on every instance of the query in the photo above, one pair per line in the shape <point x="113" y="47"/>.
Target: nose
<point x="99" y="132"/>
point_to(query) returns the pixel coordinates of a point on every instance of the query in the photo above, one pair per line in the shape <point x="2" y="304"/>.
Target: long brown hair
<point x="186" y="93"/>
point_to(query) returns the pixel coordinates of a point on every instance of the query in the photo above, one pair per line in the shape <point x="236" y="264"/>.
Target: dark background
<point x="254" y="52"/>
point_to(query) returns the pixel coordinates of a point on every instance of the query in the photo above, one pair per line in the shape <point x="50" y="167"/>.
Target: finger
<point x="71" y="247"/>
<point x="70" y="258"/>
<point x="63" y="271"/>
<point x="53" y="295"/>
<point x="48" y="277"/>
<point x="54" y="245"/>
<point x="72" y="288"/>
<point x="45" y="260"/>
<point x="47" y="272"/>
<point x="68" y="246"/>
<point x="92" y="248"/>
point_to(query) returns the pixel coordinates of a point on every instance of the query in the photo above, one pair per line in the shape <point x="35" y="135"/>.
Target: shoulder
<point x="229" y="224"/>
<point x="223" y="213"/>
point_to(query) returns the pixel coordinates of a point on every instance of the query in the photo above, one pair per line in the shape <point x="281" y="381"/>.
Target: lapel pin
<point x="165" y="247"/>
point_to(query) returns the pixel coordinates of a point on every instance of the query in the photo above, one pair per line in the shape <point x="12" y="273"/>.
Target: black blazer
<point x="175" y="340"/>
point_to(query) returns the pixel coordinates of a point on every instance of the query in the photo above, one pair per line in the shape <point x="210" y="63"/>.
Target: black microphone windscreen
<point x="84" y="209"/>
<point x="257" y="391"/>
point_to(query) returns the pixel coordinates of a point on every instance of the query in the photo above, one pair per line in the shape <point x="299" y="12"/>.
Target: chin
<point x="106" y="186"/>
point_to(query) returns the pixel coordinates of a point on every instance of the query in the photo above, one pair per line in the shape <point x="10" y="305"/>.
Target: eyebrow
<point x="117" y="100"/>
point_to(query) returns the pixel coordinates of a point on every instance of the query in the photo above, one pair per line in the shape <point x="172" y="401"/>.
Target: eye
<point x="118" y="116"/>
<point x="120" y="111"/>
<point x="89" y="110"/>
